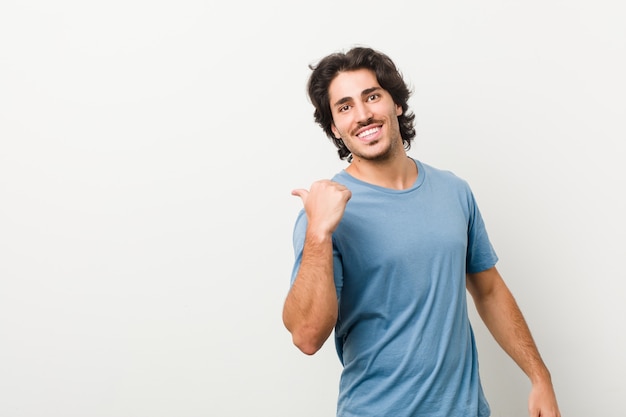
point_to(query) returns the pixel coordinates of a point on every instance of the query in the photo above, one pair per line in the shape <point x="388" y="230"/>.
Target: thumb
<point x="300" y="192"/>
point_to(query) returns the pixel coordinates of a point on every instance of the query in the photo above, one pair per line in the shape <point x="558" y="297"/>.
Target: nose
<point x="363" y="112"/>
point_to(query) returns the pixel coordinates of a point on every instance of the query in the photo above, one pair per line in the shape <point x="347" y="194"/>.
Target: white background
<point x="148" y="151"/>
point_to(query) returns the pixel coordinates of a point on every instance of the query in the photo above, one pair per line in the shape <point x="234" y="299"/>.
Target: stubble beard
<point x="383" y="156"/>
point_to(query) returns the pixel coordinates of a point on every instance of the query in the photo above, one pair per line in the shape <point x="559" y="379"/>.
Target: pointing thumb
<point x="300" y="192"/>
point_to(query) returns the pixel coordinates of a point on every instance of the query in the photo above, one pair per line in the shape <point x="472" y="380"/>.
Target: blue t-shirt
<point x="403" y="334"/>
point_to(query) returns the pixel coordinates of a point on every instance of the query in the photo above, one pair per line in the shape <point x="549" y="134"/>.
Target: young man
<point x="384" y="254"/>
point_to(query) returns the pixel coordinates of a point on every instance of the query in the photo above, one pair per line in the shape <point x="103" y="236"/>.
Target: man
<point x="384" y="255"/>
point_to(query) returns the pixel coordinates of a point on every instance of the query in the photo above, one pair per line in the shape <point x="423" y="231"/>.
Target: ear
<point x="398" y="110"/>
<point x="335" y="131"/>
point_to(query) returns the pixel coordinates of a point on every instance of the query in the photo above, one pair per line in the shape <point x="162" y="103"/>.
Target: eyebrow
<point x="364" y="93"/>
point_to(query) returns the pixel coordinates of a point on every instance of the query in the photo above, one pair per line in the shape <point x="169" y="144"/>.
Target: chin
<point x="382" y="155"/>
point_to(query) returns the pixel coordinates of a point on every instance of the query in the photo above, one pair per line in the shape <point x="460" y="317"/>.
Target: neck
<point x="396" y="173"/>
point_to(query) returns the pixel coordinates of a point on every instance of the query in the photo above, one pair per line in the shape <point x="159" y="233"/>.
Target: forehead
<point x="351" y="84"/>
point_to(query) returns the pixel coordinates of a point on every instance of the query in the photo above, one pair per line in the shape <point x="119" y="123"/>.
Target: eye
<point x="373" y="97"/>
<point x="344" y="108"/>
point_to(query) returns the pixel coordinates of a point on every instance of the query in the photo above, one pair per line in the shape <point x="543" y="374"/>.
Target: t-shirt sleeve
<point x="480" y="253"/>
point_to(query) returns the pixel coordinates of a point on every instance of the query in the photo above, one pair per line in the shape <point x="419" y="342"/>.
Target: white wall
<point x="148" y="151"/>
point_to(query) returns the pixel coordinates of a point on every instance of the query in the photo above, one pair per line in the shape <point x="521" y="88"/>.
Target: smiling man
<point x="384" y="254"/>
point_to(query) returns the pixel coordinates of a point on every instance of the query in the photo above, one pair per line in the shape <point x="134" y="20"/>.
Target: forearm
<point x="502" y="316"/>
<point x="310" y="310"/>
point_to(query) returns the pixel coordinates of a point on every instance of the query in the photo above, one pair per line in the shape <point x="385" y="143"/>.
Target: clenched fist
<point x="324" y="205"/>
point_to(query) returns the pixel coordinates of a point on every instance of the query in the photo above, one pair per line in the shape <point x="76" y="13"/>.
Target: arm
<point x="502" y="316"/>
<point x="310" y="309"/>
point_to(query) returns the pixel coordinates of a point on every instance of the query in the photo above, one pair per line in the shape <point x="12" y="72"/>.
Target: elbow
<point x="308" y="339"/>
<point x="307" y="345"/>
<point x="309" y="335"/>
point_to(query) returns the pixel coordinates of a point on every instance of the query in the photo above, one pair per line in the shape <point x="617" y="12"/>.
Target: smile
<point x="368" y="132"/>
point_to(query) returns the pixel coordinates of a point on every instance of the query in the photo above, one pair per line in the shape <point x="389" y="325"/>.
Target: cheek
<point x="340" y="128"/>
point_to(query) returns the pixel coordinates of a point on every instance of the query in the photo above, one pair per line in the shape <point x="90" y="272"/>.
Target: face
<point x="365" y="116"/>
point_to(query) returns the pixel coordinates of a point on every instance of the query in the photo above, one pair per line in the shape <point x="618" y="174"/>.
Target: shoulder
<point x="440" y="175"/>
<point x="342" y="177"/>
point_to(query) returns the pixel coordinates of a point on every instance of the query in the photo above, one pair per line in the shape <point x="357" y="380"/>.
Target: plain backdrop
<point x="147" y="155"/>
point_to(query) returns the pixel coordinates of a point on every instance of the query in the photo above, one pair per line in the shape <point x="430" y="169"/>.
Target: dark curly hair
<point x="388" y="76"/>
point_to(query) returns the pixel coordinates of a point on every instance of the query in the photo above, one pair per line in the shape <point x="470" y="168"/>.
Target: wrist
<point x="541" y="377"/>
<point x="318" y="236"/>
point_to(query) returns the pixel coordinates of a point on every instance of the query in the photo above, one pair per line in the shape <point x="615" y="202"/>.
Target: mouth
<point x="369" y="133"/>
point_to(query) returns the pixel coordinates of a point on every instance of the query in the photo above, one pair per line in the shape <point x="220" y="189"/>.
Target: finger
<point x="300" y="192"/>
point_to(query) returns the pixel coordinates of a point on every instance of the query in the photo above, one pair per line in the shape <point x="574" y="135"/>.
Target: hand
<point x="542" y="401"/>
<point x="324" y="204"/>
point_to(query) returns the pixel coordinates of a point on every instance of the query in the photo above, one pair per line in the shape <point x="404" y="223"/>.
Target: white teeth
<point x="369" y="131"/>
